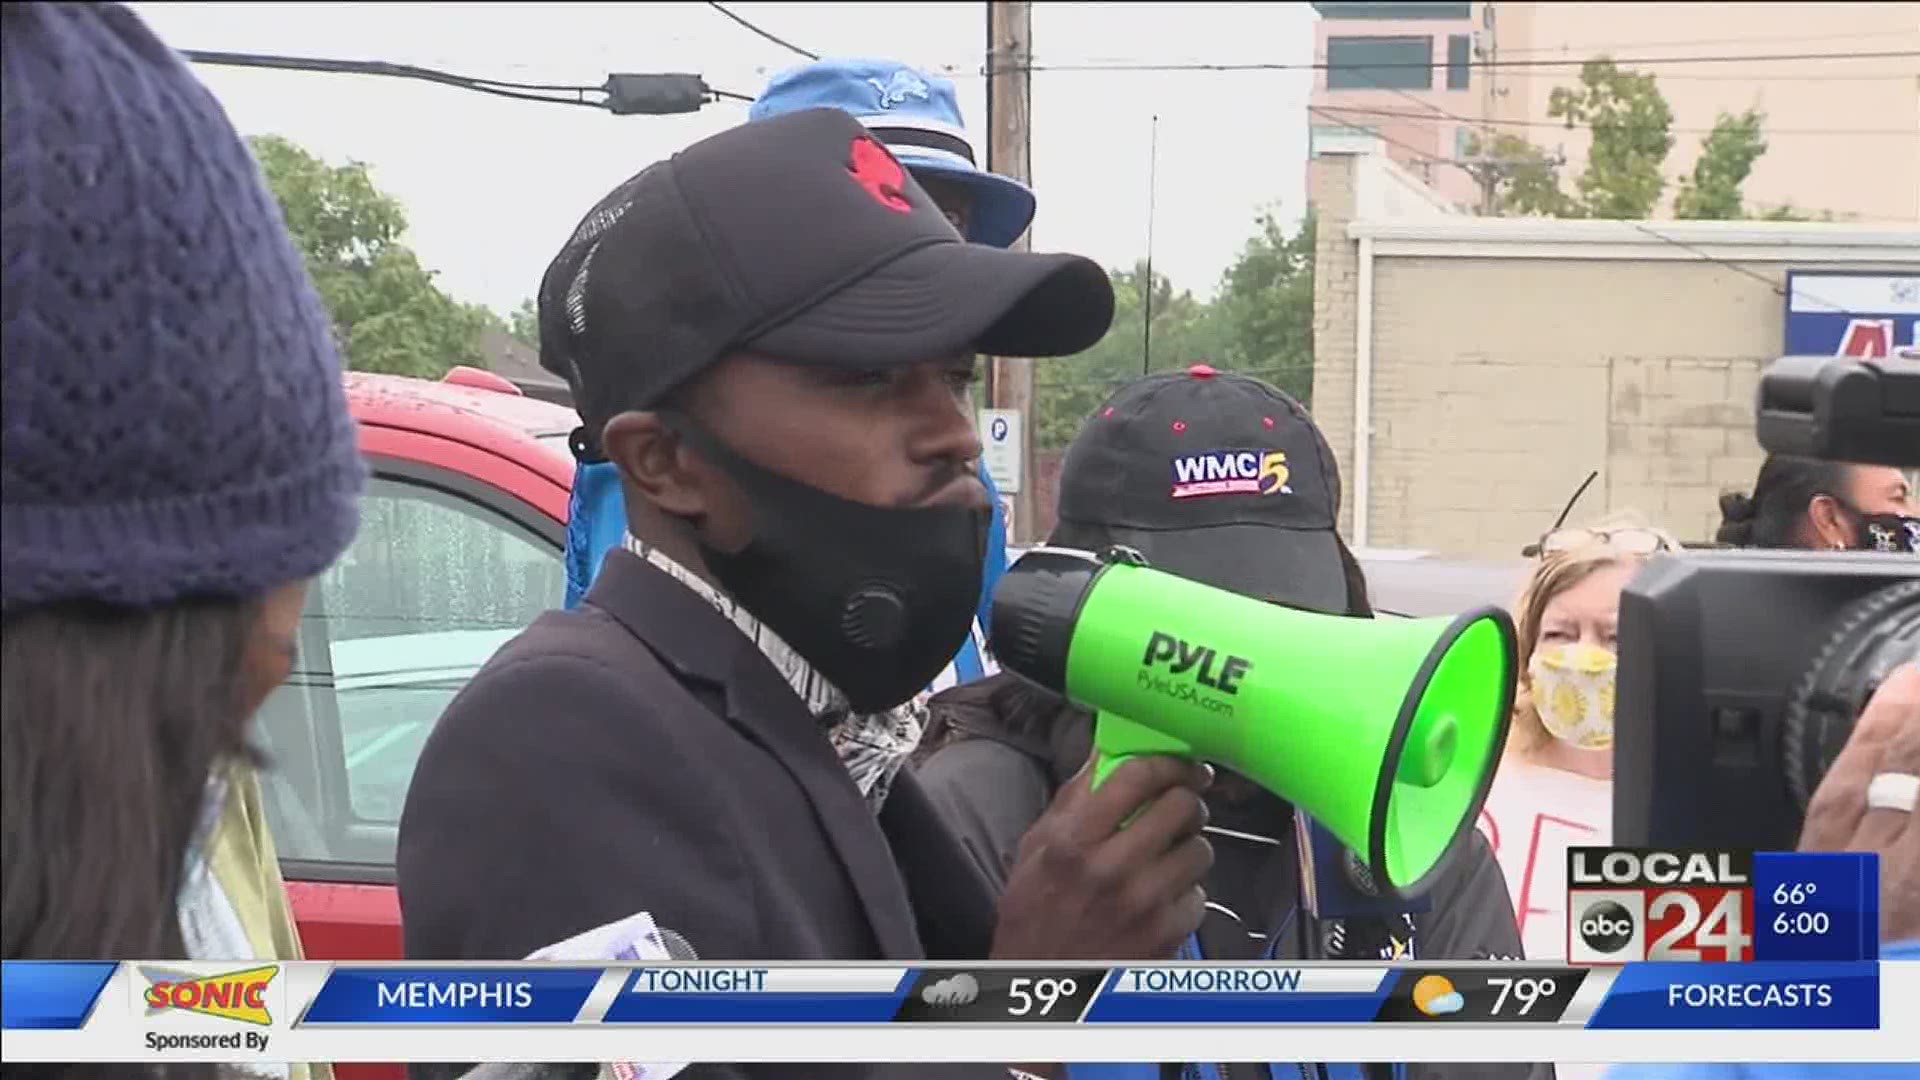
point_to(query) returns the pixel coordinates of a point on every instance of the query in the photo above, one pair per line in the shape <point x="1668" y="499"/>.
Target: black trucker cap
<point x="1216" y="477"/>
<point x="799" y="238"/>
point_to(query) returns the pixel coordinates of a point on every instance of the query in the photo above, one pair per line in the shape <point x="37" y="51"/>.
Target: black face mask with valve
<point x="878" y="599"/>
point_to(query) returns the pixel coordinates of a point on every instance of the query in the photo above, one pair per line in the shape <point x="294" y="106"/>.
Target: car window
<point x="433" y="584"/>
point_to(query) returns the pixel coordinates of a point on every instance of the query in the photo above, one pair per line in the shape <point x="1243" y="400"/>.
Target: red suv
<point x="461" y="543"/>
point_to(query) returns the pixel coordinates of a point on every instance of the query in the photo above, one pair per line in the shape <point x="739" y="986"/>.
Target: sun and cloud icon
<point x="953" y="990"/>
<point x="1434" y="995"/>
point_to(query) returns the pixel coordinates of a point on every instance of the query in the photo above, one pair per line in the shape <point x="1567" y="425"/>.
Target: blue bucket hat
<point x="918" y="116"/>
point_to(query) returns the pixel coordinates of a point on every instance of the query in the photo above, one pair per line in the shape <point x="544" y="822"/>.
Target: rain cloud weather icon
<point x="953" y="990"/>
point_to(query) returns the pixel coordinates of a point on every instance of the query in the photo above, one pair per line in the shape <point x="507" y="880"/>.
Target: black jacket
<point x="640" y="754"/>
<point x="997" y="749"/>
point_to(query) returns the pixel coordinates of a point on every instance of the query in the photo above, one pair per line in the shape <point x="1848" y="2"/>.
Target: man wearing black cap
<point x="1225" y="480"/>
<point x="771" y="334"/>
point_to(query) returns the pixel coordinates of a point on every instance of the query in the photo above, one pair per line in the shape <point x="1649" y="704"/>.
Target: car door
<point x="444" y="570"/>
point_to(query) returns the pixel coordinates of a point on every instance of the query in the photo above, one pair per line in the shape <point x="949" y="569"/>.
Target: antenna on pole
<point x="1146" y="285"/>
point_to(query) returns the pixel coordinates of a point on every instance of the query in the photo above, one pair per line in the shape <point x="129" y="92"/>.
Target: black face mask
<point x="877" y="599"/>
<point x="1889" y="532"/>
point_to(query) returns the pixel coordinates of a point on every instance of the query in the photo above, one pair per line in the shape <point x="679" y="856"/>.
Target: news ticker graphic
<point x="140" y="1011"/>
<point x="1627" y="905"/>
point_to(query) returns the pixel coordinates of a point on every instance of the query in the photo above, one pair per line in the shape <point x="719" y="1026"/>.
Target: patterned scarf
<point x="210" y="924"/>
<point x="872" y="747"/>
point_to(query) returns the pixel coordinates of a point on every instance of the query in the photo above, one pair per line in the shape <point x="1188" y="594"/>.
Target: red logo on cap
<point x="879" y="174"/>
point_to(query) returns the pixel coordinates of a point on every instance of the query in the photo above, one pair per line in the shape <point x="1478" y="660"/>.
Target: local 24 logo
<point x="1631" y="904"/>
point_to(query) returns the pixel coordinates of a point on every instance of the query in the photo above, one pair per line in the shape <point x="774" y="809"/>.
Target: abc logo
<point x="1606" y="927"/>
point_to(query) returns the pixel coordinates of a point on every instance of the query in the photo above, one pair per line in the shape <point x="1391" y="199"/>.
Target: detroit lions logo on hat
<point x="903" y="85"/>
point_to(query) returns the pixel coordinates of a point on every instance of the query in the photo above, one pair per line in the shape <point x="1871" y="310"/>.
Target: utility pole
<point x="1009" y="140"/>
<point x="1146" y="286"/>
<point x="1488" y="177"/>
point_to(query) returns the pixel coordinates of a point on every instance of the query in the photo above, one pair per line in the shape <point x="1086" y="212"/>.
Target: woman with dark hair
<point x="178" y="463"/>
<point x="1800" y="502"/>
<point x="1225" y="480"/>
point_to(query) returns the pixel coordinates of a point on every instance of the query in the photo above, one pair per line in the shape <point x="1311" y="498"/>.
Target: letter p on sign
<point x="1003" y="447"/>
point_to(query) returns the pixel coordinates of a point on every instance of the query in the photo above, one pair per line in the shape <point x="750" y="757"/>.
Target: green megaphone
<point x="1387" y="731"/>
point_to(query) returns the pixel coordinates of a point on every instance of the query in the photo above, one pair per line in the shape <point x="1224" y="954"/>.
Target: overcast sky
<point x="492" y="186"/>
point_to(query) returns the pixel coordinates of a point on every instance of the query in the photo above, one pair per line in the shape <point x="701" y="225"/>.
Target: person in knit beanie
<point x="178" y="462"/>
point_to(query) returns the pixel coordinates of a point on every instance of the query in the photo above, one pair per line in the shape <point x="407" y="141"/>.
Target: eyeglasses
<point x="1632" y="540"/>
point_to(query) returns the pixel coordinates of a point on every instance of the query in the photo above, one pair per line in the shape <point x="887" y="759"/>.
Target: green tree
<point x="1727" y="155"/>
<point x="1266" y="306"/>
<point x="1630" y="123"/>
<point x="387" y="313"/>
<point x="1186" y="330"/>
<point x="524" y="323"/>
<point x="1526" y="182"/>
<point x="1260" y="324"/>
<point x="1788" y="212"/>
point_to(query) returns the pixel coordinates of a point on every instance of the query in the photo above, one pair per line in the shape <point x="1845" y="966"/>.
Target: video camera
<point x="1742" y="672"/>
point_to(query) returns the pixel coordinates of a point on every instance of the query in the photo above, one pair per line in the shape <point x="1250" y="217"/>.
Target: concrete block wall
<point x="1500" y="381"/>
<point x="1336" y="303"/>
<point x="1680" y="432"/>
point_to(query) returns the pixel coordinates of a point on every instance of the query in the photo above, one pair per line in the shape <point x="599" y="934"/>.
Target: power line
<point x="1321" y="65"/>
<point x="516" y="90"/>
<point x="1488" y="179"/>
<point x="1855" y="36"/>
<point x="1706" y="256"/>
<point x="776" y="39"/>
<point x="1438" y="114"/>
<point x="1891" y="76"/>
<point x="654" y="94"/>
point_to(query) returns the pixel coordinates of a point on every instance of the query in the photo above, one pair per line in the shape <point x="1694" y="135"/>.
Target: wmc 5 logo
<point x="240" y="996"/>
<point x="1230" y="472"/>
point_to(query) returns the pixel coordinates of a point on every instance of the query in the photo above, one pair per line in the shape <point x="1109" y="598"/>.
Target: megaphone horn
<point x="1388" y="731"/>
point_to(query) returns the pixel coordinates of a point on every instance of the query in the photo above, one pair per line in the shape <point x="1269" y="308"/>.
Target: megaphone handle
<point x="1103" y="767"/>
<point x="1104" y="764"/>
<point x="1117" y="739"/>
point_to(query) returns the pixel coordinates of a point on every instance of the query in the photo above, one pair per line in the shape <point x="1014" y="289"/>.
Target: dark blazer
<point x="640" y="754"/>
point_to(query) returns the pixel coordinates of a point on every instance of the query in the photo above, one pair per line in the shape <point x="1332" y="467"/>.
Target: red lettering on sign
<point x="1533" y="858"/>
<point x="1867" y="339"/>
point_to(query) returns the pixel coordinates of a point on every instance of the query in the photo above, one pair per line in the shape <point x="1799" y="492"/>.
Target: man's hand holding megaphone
<point x="1084" y="888"/>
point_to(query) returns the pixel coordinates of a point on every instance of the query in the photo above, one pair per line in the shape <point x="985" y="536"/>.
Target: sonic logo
<point x="240" y="996"/>
<point x="1231" y="472"/>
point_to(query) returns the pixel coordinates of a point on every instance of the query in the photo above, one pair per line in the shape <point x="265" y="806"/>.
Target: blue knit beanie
<point x="175" y="423"/>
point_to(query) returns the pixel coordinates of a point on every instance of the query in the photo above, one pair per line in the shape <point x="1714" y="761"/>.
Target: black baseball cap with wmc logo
<point x="801" y="239"/>
<point x="1216" y="477"/>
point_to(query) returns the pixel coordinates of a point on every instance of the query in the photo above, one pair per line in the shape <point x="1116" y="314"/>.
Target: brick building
<point x="1496" y="362"/>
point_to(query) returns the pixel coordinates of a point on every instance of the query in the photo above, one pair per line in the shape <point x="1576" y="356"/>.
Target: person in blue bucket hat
<point x="918" y="116"/>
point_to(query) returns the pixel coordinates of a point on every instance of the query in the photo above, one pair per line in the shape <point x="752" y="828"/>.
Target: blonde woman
<point x="1555" y="786"/>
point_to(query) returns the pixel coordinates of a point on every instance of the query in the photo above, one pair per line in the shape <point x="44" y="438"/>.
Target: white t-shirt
<point x="1532" y="816"/>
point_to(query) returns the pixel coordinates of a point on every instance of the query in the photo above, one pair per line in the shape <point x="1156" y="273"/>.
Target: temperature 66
<point x="1526" y="992"/>
<point x="1037" y="997"/>
<point x="1794" y="895"/>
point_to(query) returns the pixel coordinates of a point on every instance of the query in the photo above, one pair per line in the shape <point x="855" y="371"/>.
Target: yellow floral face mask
<point x="1573" y="688"/>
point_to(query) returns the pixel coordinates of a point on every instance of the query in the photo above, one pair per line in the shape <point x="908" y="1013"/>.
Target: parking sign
<point x="1003" y="447"/>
